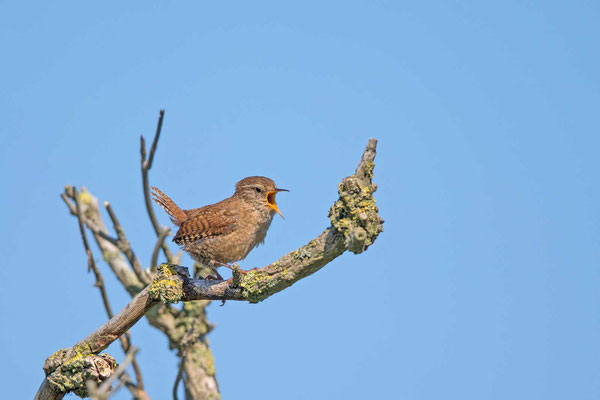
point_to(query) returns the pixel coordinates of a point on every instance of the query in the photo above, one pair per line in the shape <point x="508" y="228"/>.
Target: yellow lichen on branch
<point x="167" y="285"/>
<point x="355" y="214"/>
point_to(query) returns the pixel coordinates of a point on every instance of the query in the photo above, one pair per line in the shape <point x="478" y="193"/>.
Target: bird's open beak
<point x="271" y="200"/>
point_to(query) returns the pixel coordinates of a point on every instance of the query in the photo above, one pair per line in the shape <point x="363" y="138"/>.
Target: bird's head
<point x="260" y="192"/>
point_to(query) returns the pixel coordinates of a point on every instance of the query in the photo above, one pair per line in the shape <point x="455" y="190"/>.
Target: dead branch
<point x="125" y="339"/>
<point x="125" y="246"/>
<point x="355" y="224"/>
<point x="177" y="379"/>
<point x="159" y="243"/>
<point x="146" y="164"/>
<point x="69" y="200"/>
<point x="199" y="380"/>
<point x="165" y="318"/>
<point x="107" y="244"/>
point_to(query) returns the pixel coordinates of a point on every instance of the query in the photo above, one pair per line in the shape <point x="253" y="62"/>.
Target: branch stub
<point x="167" y="285"/>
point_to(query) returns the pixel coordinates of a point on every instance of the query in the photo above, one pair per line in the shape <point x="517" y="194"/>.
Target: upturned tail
<point x="178" y="216"/>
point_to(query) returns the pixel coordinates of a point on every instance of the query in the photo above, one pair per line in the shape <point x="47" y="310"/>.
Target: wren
<point x="225" y="232"/>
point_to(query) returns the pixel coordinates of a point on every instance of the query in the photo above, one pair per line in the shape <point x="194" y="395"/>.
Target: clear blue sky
<point x="485" y="282"/>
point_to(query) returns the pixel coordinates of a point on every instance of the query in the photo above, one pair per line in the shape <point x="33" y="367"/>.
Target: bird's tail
<point x="177" y="214"/>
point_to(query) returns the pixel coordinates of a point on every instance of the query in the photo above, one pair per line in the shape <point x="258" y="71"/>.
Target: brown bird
<point x="221" y="233"/>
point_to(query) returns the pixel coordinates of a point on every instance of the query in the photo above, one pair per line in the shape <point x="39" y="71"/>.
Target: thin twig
<point x="125" y="246"/>
<point x="91" y="262"/>
<point x="91" y="226"/>
<point x="125" y="340"/>
<point x="155" y="141"/>
<point x="108" y="245"/>
<point x="104" y="391"/>
<point x="120" y="369"/>
<point x="159" y="242"/>
<point x="146" y="164"/>
<point x="178" y="379"/>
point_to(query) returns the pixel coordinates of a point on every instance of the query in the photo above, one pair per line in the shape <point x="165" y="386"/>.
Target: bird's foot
<point x="219" y="277"/>
<point x="215" y="277"/>
<point x="235" y="267"/>
<point x="236" y="276"/>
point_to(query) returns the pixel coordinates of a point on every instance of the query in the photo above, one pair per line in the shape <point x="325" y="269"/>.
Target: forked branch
<point x="137" y="389"/>
<point x="146" y="164"/>
<point x="355" y="224"/>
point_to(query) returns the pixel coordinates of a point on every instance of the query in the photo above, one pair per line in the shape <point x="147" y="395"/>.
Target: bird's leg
<point x="206" y="271"/>
<point x="220" y="264"/>
<point x="231" y="268"/>
<point x="215" y="277"/>
<point x="233" y="279"/>
<point x="219" y="277"/>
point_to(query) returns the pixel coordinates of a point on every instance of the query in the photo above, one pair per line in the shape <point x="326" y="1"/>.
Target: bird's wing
<point x="202" y="223"/>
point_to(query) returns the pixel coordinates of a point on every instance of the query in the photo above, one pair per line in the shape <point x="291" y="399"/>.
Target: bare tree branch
<point x="146" y="165"/>
<point x="192" y="335"/>
<point x="90" y="224"/>
<point x="165" y="318"/>
<point x="125" y="338"/>
<point x="125" y="246"/>
<point x="159" y="243"/>
<point x="108" y="245"/>
<point x="177" y="379"/>
<point x="355" y="224"/>
<point x="199" y="372"/>
<point x="197" y="365"/>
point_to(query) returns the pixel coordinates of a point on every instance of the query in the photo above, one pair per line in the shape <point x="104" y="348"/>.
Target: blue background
<point x="484" y="284"/>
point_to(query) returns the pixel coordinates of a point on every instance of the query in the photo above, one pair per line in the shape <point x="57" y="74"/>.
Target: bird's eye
<point x="258" y="190"/>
